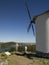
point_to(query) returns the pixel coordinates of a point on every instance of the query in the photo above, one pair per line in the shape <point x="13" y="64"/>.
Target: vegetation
<point x="12" y="49"/>
<point x="14" y="59"/>
<point x="3" y="57"/>
<point x="11" y="46"/>
<point x="21" y="48"/>
<point x="31" y="48"/>
<point x="22" y="60"/>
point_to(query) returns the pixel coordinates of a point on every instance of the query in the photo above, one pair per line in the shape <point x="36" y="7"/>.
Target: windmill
<point x="32" y="22"/>
<point x="42" y="32"/>
<point x="17" y="45"/>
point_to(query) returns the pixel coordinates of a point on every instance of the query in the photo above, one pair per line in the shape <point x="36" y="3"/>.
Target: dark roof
<point x="35" y="17"/>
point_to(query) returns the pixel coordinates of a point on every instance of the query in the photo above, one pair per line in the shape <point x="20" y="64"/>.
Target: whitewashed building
<point x="42" y="33"/>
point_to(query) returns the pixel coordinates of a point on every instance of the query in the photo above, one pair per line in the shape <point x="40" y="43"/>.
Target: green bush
<point x="21" y="48"/>
<point x="3" y="56"/>
<point x="31" y="48"/>
<point x="12" y="49"/>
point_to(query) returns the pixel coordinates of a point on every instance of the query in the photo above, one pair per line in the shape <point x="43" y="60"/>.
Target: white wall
<point x="42" y="33"/>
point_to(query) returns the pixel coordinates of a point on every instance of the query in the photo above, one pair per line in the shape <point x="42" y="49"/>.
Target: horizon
<point x="14" y="19"/>
<point x="18" y="42"/>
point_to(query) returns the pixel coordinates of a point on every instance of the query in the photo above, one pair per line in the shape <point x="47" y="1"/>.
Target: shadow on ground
<point x="30" y="56"/>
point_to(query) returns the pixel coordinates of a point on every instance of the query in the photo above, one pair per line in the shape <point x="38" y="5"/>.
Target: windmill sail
<point x="31" y="22"/>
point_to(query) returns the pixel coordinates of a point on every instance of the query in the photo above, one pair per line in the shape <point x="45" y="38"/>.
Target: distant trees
<point x="31" y="48"/>
<point x="21" y="48"/>
<point x="12" y="49"/>
<point x="11" y="46"/>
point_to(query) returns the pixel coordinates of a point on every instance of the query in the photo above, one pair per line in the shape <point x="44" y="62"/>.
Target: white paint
<point x="42" y="33"/>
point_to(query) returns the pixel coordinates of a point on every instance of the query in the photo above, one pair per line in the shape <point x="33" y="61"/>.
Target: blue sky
<point x="14" y="19"/>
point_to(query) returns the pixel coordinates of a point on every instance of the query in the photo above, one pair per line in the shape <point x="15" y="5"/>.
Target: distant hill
<point x="24" y="43"/>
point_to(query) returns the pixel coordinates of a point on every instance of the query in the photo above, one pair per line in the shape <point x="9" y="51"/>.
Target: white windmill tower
<point x="17" y="45"/>
<point x="25" y="49"/>
<point x="42" y="32"/>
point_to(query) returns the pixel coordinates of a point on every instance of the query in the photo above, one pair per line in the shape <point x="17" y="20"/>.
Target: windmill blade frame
<point x="33" y="29"/>
<point x="29" y="26"/>
<point x="28" y="10"/>
<point x="31" y="22"/>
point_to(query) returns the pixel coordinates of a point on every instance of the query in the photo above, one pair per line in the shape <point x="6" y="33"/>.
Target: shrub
<point x="12" y="49"/>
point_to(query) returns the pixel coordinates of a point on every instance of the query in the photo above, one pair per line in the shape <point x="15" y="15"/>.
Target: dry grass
<point x="19" y="60"/>
<point x="22" y="60"/>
